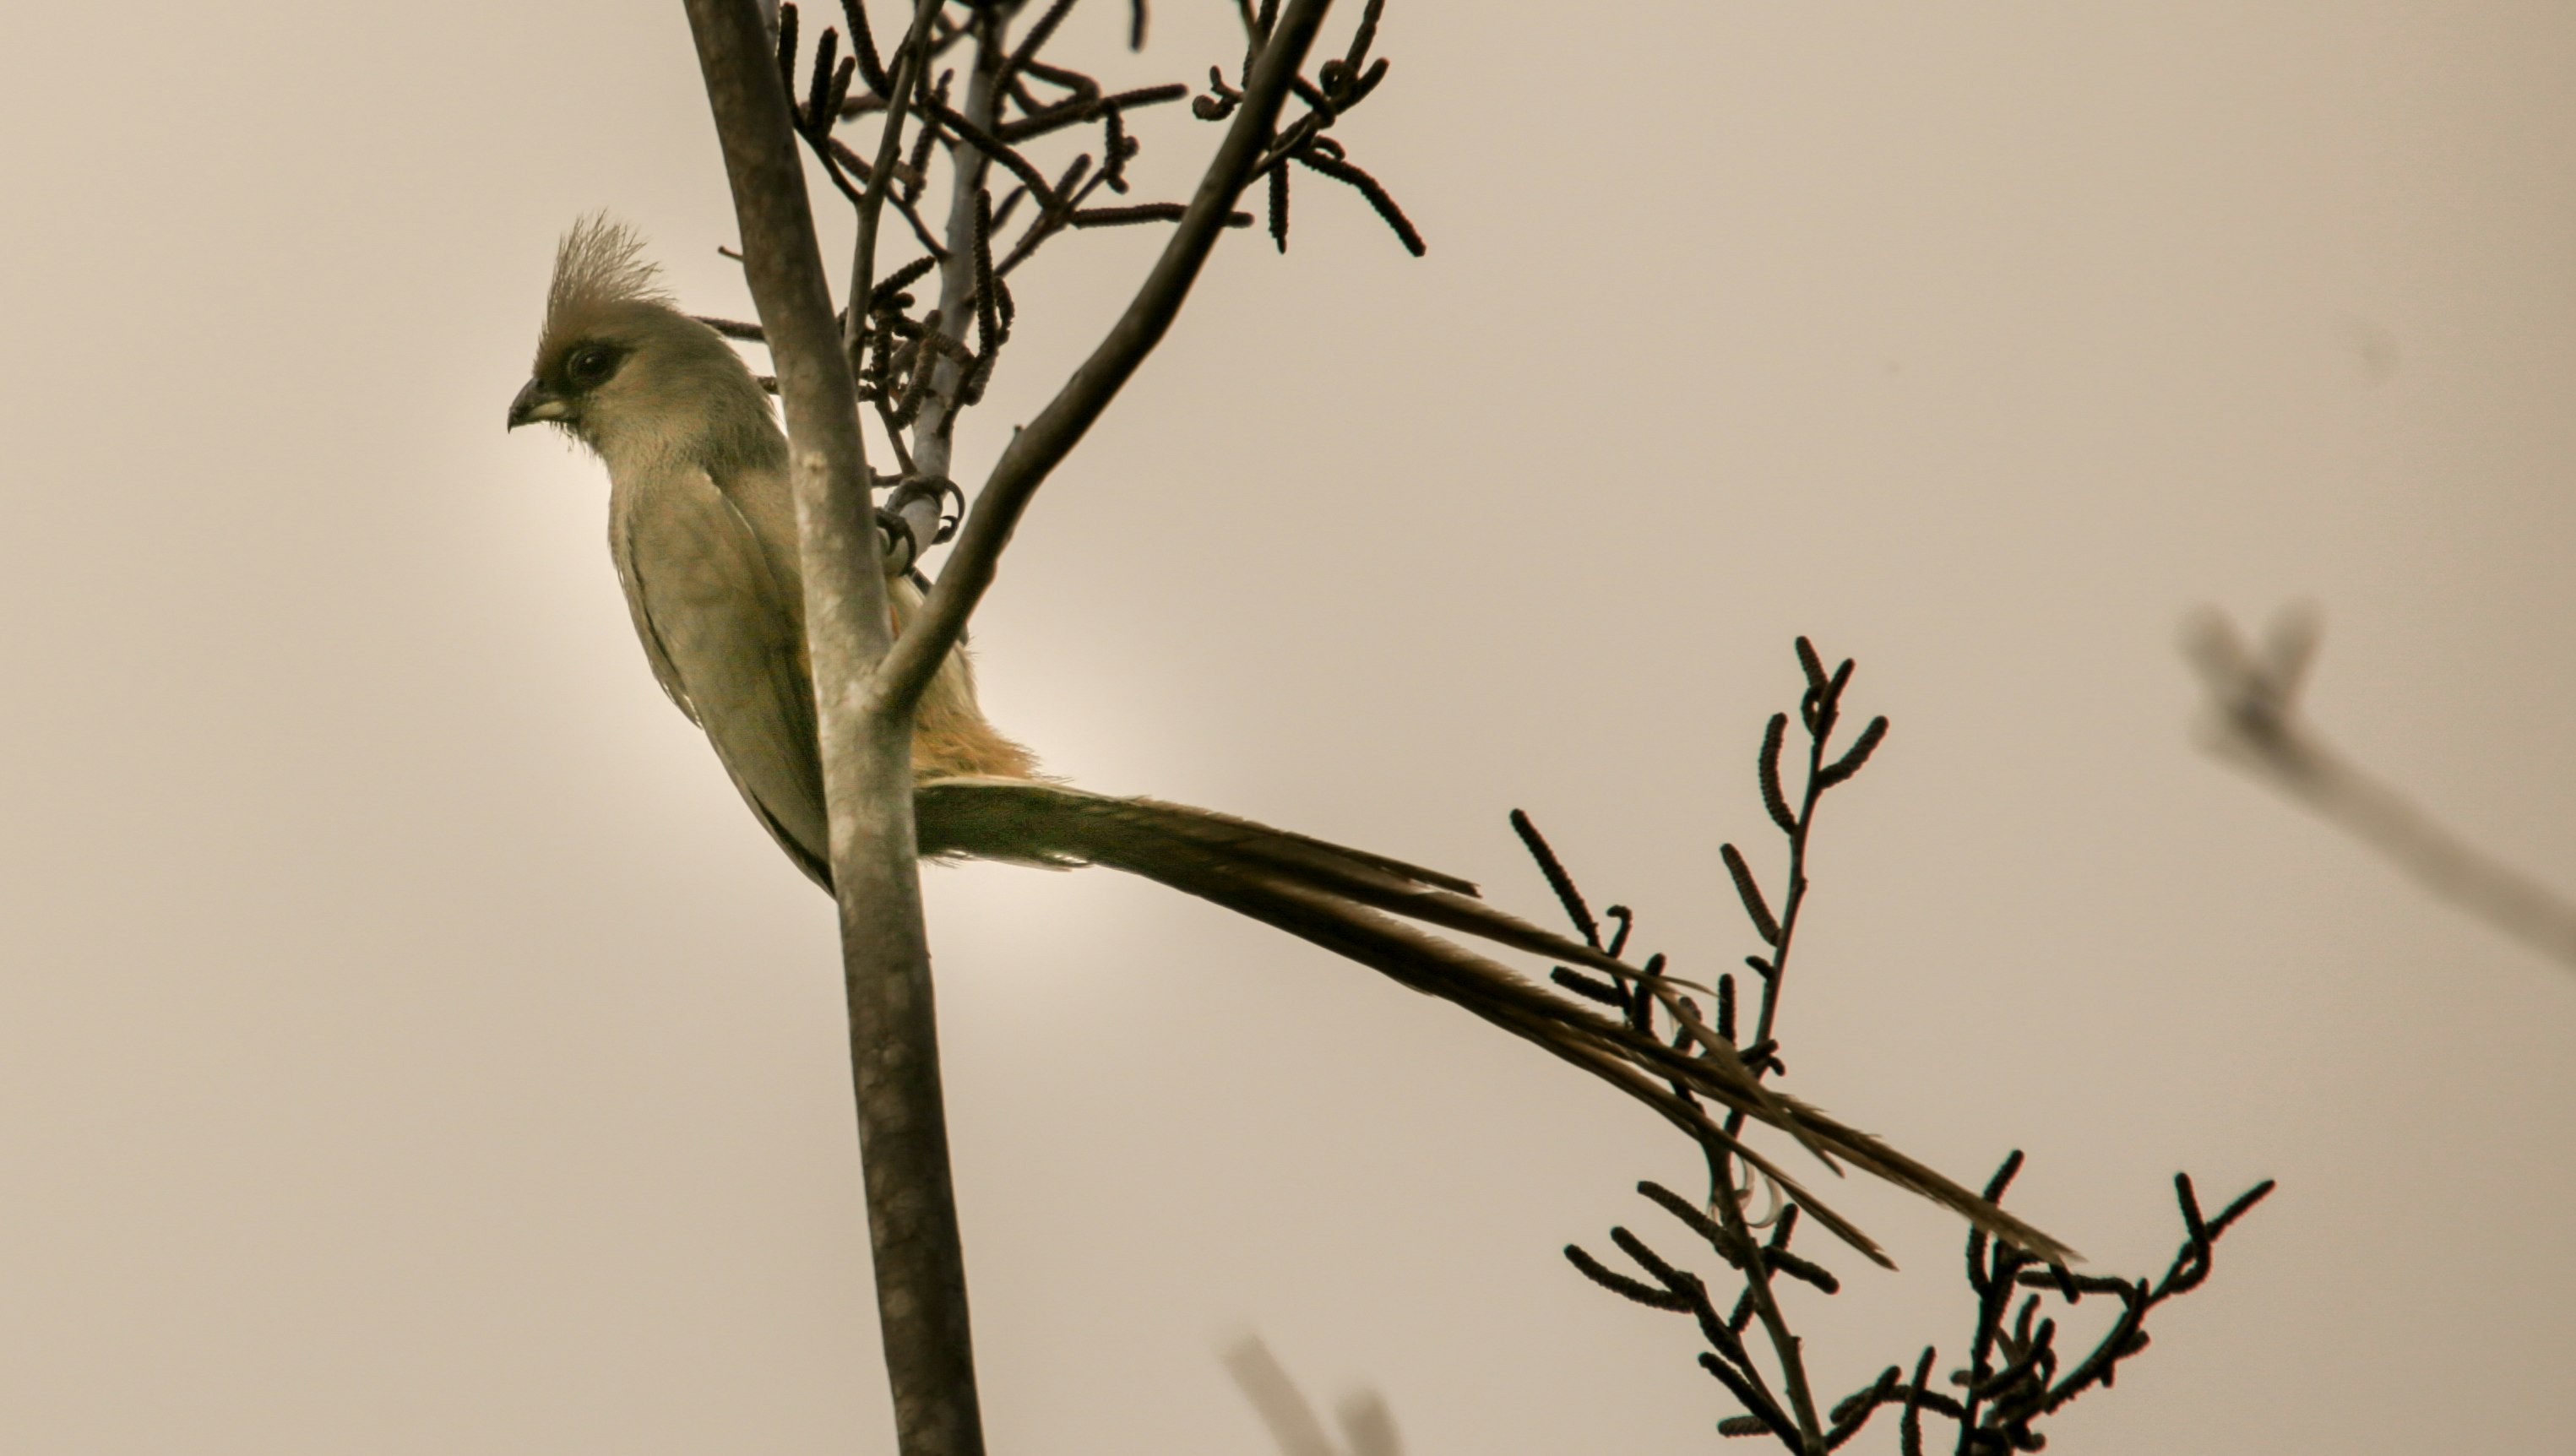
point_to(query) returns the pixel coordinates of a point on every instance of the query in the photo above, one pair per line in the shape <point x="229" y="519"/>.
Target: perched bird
<point x="703" y="531"/>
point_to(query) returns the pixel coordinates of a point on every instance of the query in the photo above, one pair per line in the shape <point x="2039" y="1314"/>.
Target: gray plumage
<point x="702" y="529"/>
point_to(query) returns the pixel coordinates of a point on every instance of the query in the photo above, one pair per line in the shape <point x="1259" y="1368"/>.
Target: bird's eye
<point x="590" y="364"/>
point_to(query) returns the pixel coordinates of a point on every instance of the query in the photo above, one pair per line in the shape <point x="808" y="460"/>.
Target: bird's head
<point x="621" y="369"/>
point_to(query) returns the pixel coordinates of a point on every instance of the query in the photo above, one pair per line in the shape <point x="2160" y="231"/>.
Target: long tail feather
<point x="1349" y="902"/>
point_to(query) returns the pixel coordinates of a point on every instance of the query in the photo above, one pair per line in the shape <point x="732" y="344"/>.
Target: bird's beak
<point x="536" y="402"/>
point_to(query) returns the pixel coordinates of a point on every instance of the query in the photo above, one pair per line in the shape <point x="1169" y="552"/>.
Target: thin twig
<point x="1087" y="108"/>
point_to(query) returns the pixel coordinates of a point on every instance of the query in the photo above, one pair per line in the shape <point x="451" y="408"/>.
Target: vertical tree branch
<point x="967" y="166"/>
<point x="867" y="753"/>
<point x="1037" y="449"/>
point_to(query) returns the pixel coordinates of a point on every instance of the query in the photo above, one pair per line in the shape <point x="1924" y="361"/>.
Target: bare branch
<point x="1036" y="450"/>
<point x="866" y="751"/>
<point x="969" y="162"/>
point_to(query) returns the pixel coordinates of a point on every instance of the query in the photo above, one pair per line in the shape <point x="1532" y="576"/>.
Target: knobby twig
<point x="2255" y="725"/>
<point x="866" y="749"/>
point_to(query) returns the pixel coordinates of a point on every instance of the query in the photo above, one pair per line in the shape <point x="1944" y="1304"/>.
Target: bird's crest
<point x="599" y="264"/>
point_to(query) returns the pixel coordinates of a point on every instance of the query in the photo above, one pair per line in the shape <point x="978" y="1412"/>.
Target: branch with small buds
<point x="2012" y="1378"/>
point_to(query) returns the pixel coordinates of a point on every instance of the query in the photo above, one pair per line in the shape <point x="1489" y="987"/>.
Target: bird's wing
<point x="723" y="640"/>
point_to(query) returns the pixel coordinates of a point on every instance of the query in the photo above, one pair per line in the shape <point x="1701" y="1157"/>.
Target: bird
<point x="702" y="530"/>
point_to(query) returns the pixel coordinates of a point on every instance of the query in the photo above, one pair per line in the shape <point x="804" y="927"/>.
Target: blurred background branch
<point x="2254" y="723"/>
<point x="1368" y="1427"/>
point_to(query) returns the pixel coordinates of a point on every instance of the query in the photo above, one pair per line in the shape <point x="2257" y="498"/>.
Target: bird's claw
<point x="917" y="502"/>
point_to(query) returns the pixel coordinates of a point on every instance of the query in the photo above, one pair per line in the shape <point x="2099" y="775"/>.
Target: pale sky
<point x="409" y="1045"/>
